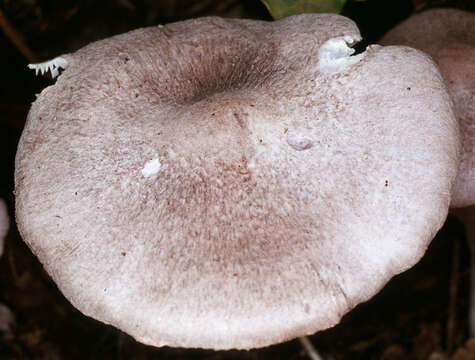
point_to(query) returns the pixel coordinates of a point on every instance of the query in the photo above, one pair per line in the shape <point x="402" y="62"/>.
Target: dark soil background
<point x="420" y="314"/>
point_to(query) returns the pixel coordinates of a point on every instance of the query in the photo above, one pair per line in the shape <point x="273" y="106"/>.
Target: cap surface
<point x="448" y="35"/>
<point x="233" y="183"/>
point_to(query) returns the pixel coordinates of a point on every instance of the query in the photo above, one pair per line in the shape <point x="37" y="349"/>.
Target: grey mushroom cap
<point x="233" y="183"/>
<point x="4" y="224"/>
<point x="448" y="35"/>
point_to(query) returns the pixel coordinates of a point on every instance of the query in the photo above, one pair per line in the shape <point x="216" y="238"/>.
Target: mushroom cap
<point x="233" y="183"/>
<point x="448" y="35"/>
<point x="4" y="224"/>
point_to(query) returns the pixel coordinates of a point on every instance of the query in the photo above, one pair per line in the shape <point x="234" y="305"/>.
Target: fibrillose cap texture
<point x="448" y="35"/>
<point x="234" y="183"/>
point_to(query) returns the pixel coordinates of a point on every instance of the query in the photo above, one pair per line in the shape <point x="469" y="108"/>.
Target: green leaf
<point x="282" y="8"/>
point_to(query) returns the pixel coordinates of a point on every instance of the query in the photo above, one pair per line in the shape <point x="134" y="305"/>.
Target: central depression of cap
<point x="233" y="183"/>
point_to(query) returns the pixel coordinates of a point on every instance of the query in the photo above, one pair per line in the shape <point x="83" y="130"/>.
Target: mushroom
<point x="448" y="35"/>
<point x="4" y="224"/>
<point x="223" y="184"/>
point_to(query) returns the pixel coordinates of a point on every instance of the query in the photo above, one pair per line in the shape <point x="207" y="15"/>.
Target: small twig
<point x="453" y="290"/>
<point x="309" y="348"/>
<point x="17" y="39"/>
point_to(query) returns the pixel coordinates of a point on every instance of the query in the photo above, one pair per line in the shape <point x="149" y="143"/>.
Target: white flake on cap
<point x="336" y="54"/>
<point x="52" y="65"/>
<point x="151" y="168"/>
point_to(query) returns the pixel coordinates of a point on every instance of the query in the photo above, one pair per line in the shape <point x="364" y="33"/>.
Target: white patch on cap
<point x="151" y="168"/>
<point x="52" y="66"/>
<point x="335" y="54"/>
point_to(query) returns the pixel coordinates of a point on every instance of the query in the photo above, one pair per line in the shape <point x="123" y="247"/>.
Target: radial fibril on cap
<point x="284" y="188"/>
